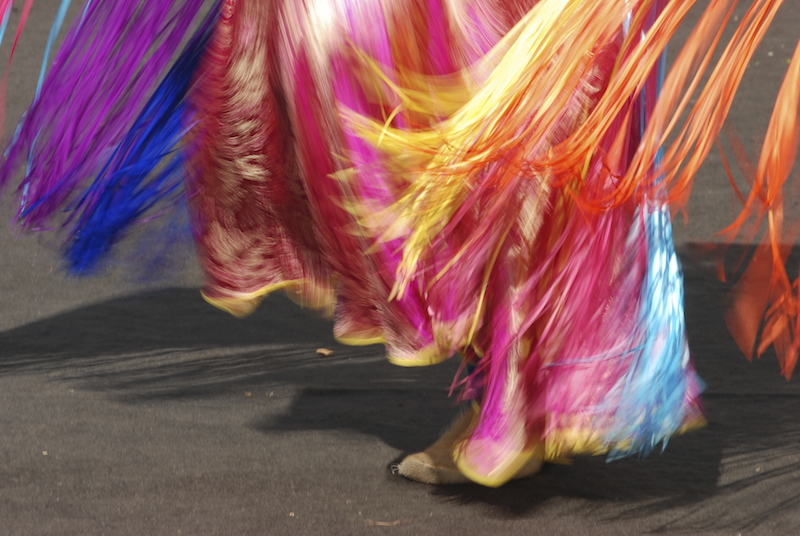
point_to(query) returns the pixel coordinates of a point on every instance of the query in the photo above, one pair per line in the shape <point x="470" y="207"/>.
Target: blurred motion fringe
<point x="483" y="177"/>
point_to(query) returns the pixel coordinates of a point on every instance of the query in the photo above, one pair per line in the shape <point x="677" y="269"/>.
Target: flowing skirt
<point x="572" y="320"/>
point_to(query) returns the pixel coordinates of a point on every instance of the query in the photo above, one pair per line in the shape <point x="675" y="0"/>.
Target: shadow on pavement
<point x="168" y="344"/>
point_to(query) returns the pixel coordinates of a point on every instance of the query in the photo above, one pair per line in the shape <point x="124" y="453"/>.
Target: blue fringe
<point x="656" y="385"/>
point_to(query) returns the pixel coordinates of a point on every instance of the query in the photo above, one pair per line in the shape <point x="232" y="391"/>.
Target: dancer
<point x="482" y="178"/>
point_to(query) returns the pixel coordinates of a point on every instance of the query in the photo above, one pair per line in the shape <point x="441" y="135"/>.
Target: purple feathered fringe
<point x="112" y="58"/>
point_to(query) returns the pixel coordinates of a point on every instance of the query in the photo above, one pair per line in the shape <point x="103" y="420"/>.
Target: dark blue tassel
<point x="146" y="169"/>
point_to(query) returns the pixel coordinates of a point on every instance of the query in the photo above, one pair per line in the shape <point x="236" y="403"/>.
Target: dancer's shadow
<point x="168" y="344"/>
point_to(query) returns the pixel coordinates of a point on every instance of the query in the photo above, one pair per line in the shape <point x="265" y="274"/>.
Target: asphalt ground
<point x="136" y="408"/>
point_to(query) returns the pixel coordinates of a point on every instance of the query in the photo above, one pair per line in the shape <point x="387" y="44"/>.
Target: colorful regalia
<point x="488" y="178"/>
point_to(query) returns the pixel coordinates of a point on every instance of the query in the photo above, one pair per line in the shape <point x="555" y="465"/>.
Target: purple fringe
<point x="112" y="59"/>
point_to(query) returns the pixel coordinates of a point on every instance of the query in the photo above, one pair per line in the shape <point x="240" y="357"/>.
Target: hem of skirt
<point x="243" y="304"/>
<point x="429" y="355"/>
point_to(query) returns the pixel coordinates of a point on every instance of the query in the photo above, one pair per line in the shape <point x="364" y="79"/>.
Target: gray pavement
<point x="139" y="409"/>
